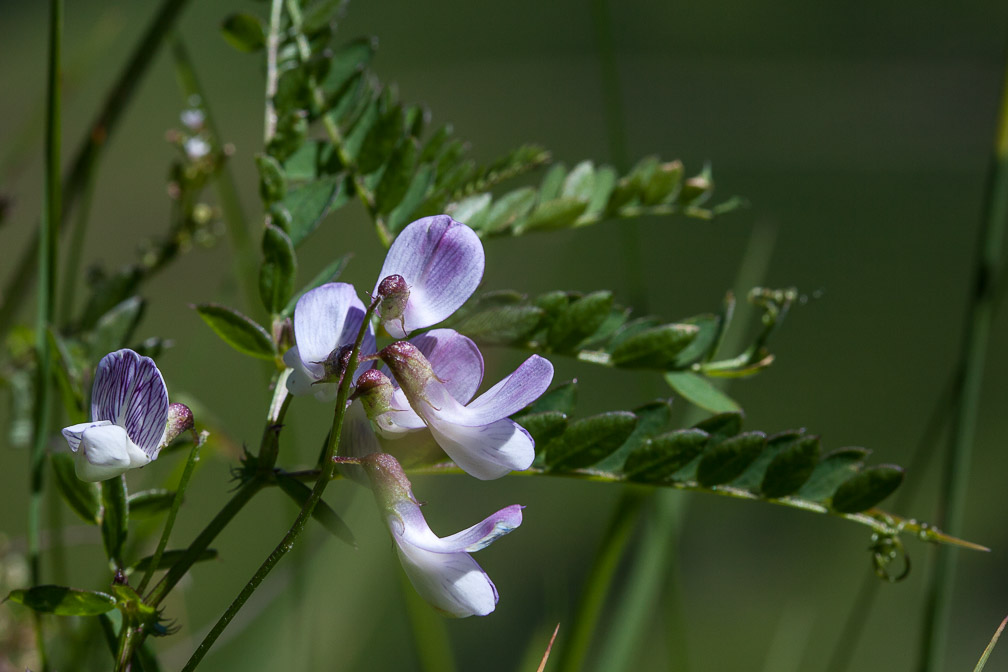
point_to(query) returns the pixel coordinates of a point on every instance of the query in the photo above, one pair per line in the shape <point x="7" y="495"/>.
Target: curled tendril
<point x="887" y="549"/>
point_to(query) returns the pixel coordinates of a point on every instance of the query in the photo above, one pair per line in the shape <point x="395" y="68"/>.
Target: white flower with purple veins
<point x="432" y="268"/>
<point x="326" y="322"/>
<point x="129" y="417"/>
<point x="477" y="435"/>
<point x="440" y="569"/>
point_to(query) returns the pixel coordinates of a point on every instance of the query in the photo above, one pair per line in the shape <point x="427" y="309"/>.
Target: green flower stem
<point x="48" y="229"/>
<point x="176" y="503"/>
<point x="332" y="130"/>
<point x="976" y="338"/>
<point x="287" y="543"/>
<point x="116" y="102"/>
<point x="246" y="263"/>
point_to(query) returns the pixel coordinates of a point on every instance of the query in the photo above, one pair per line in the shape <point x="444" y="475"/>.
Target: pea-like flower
<point x="129" y="418"/>
<point x="432" y="268"/>
<point x="326" y="320"/>
<point x="477" y="435"/>
<point x="440" y="568"/>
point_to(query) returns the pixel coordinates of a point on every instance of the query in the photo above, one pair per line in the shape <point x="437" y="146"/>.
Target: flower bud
<point x="388" y="480"/>
<point x="394" y="293"/>
<point x="375" y="390"/>
<point x="409" y="366"/>
<point x="180" y="419"/>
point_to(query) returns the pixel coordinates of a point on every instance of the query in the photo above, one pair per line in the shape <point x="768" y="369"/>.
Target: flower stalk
<point x="287" y="543"/>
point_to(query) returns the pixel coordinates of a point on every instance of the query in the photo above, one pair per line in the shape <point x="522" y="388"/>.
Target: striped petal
<point x="129" y="391"/>
<point x="442" y="262"/>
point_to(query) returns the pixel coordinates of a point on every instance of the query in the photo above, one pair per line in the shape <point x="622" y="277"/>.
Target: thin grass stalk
<point x="47" y="251"/>
<point x="976" y="338"/>
<point x="116" y="102"/>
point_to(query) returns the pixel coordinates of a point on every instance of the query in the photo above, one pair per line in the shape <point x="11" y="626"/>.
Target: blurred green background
<point x="860" y="133"/>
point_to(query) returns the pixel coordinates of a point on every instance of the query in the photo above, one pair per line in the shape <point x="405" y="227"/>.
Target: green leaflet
<point x="867" y="488"/>
<point x="309" y="203"/>
<point x="278" y="269"/>
<point x="238" y="331"/>
<point x="700" y="392"/>
<point x="63" y="601"/>
<point x="589" y="440"/>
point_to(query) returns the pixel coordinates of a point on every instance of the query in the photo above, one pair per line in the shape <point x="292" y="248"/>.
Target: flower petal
<point x="326" y="318"/>
<point x="105" y="451"/>
<point x="73" y="433"/>
<point x="469" y="540"/>
<point x="442" y="262"/>
<point x="487" y="451"/>
<point x="452" y="583"/>
<point x="455" y="359"/>
<point x="400" y="420"/>
<point x="526" y="384"/>
<point x="129" y="391"/>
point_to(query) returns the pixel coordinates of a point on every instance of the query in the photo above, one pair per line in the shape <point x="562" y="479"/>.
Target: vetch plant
<point x="400" y="367"/>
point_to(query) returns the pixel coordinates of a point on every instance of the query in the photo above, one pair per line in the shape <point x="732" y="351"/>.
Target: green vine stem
<point x="287" y="543"/>
<point x="176" y="503"/>
<point x="976" y="338"/>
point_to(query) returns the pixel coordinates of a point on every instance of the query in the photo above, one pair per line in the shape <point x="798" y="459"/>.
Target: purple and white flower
<point x="432" y="268"/>
<point x="440" y="568"/>
<point x="477" y="435"/>
<point x="326" y="319"/>
<point x="129" y="418"/>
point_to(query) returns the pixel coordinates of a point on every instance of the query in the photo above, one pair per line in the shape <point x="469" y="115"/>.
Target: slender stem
<point x="46" y="302"/>
<point x="272" y="46"/>
<point x="116" y="102"/>
<point x="287" y="543"/>
<point x="976" y="338"/>
<point x="176" y="503"/>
